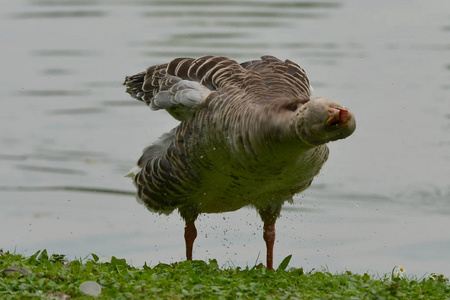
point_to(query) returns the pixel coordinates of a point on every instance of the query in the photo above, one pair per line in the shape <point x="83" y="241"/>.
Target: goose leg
<point x="269" y="238"/>
<point x="269" y="215"/>
<point x="190" y="233"/>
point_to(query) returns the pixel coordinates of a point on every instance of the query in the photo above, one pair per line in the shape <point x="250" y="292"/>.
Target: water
<point x="69" y="132"/>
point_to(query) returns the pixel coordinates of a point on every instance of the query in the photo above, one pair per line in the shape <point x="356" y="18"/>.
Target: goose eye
<point x="291" y="106"/>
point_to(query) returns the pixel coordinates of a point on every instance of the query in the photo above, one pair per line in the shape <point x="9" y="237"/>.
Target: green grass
<point x="41" y="276"/>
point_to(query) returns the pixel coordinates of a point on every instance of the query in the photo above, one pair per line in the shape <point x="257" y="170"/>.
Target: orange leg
<point x="190" y="233"/>
<point x="269" y="238"/>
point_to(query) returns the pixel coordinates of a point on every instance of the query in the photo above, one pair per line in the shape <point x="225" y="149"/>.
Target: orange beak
<point x="338" y="116"/>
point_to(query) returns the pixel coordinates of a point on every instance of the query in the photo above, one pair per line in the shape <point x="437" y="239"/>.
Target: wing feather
<point x="182" y="85"/>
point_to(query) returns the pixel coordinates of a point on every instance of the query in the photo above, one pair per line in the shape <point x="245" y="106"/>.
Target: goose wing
<point x="281" y="78"/>
<point x="183" y="85"/>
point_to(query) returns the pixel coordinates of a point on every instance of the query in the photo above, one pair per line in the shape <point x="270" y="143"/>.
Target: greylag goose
<point x="249" y="135"/>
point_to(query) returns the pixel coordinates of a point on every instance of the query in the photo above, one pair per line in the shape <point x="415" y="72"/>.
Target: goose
<point x="249" y="135"/>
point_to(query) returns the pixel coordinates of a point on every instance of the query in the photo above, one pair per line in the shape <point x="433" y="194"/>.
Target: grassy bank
<point x="53" y="277"/>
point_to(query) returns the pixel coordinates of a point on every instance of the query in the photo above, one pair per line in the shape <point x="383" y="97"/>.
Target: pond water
<point x="69" y="132"/>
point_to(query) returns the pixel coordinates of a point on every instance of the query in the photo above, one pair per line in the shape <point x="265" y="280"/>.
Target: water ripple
<point x="60" y="14"/>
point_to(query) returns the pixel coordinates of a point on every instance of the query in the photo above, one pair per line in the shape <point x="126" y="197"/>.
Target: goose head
<point x="320" y="120"/>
